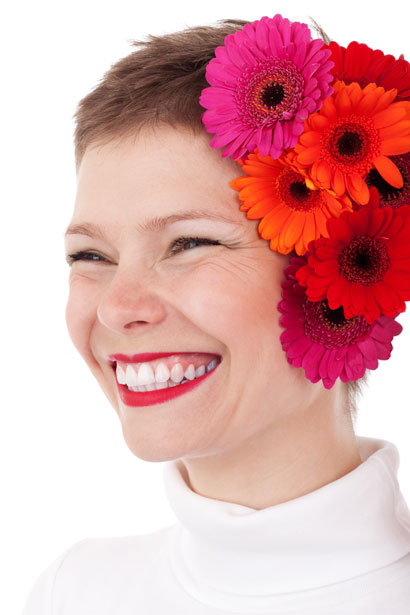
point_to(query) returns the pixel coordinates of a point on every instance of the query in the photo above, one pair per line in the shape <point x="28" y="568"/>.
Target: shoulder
<point x="90" y="567"/>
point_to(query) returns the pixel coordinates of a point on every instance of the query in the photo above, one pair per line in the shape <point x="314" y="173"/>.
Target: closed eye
<point x="188" y="241"/>
<point x="179" y="245"/>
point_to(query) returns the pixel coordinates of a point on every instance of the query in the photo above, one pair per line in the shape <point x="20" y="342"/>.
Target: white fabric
<point x="343" y="549"/>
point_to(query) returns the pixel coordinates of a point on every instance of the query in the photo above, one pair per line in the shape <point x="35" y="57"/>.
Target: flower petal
<point x="394" y="146"/>
<point x="389" y="171"/>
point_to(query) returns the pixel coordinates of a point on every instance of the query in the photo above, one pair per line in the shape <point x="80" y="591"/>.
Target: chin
<point x="154" y="448"/>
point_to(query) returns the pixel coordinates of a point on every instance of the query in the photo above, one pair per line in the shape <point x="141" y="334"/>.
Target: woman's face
<point x="137" y="296"/>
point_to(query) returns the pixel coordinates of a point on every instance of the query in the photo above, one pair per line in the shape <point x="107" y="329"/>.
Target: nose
<point x="131" y="301"/>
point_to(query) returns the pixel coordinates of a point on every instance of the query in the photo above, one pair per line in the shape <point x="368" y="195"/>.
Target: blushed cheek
<point x="232" y="304"/>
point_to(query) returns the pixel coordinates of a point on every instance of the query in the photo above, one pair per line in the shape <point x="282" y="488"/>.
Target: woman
<point x="233" y="359"/>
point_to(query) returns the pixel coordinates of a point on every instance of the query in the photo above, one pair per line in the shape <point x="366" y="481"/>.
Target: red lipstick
<point x="140" y="358"/>
<point x="149" y="398"/>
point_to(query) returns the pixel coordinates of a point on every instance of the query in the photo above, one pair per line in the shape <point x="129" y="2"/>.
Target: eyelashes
<point x="82" y="255"/>
<point x="86" y="255"/>
<point x="182" y="241"/>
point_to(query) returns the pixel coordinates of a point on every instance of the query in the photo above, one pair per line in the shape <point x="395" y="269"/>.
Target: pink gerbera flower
<point x="265" y="81"/>
<point x="322" y="341"/>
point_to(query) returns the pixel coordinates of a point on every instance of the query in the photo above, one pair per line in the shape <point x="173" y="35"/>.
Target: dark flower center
<point x="386" y="190"/>
<point x="365" y="260"/>
<point x="330" y="327"/>
<point x="299" y="191"/>
<point x="273" y="95"/>
<point x="336" y="317"/>
<point x="293" y="192"/>
<point x="349" y="144"/>
<point x="389" y="195"/>
<point x="269" y="91"/>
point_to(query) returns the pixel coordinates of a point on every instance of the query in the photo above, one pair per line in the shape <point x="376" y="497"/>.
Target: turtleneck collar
<point x="351" y="526"/>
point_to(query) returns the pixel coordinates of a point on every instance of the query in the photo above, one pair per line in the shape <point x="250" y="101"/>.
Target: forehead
<point x="161" y="170"/>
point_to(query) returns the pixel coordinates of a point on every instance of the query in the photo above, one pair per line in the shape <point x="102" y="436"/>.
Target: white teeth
<point x="161" y="373"/>
<point x="177" y="373"/>
<point x="190" y="372"/>
<point x="161" y="385"/>
<point x="131" y="377"/>
<point x="145" y="375"/>
<point x="211" y="365"/>
<point x="146" y="380"/>
<point x="121" y="375"/>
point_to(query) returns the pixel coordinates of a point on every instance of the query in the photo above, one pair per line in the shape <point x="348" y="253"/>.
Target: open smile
<point x="155" y="382"/>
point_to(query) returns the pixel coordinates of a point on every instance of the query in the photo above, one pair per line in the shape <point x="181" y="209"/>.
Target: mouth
<point x="161" y="379"/>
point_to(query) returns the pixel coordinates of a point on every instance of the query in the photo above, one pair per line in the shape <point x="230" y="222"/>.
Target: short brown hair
<point x="161" y="83"/>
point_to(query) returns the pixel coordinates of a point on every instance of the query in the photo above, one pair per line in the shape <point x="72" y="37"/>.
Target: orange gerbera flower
<point x="293" y="210"/>
<point x="355" y="130"/>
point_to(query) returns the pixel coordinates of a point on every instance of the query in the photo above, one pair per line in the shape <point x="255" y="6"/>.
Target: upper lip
<point x="150" y="356"/>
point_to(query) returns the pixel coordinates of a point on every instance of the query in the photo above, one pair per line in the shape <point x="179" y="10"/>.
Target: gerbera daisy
<point x="265" y="80"/>
<point x="393" y="197"/>
<point x="364" y="265"/>
<point x="292" y="213"/>
<point x="355" y="130"/>
<point x="322" y="341"/>
<point x="360" y="63"/>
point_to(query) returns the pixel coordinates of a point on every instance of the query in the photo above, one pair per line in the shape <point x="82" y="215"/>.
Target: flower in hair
<point x="364" y="265"/>
<point x="264" y="82"/>
<point x="355" y="130"/>
<point x="322" y="134"/>
<point x="293" y="213"/>
<point x="393" y="197"/>
<point x="358" y="62"/>
<point x="322" y="341"/>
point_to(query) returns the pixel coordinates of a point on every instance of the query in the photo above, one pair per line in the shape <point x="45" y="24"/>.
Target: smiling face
<point x="142" y="294"/>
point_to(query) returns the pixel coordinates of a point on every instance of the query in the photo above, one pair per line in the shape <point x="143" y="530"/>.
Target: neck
<point x="310" y="448"/>
<point x="238" y="559"/>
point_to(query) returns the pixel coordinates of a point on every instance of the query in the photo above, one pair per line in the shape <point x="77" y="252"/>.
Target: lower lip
<point x="149" y="398"/>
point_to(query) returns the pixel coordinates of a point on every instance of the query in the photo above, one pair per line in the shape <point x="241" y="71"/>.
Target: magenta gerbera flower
<point x="264" y="82"/>
<point x="322" y="341"/>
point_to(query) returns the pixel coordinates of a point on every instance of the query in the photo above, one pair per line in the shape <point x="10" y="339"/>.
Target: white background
<point x="66" y="473"/>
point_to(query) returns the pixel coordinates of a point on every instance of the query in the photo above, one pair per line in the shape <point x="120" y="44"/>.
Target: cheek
<point x="81" y="312"/>
<point x="234" y="301"/>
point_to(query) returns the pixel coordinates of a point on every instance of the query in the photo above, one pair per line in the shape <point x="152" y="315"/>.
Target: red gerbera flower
<point x="364" y="265"/>
<point x="322" y="341"/>
<point x="354" y="131"/>
<point x="360" y="63"/>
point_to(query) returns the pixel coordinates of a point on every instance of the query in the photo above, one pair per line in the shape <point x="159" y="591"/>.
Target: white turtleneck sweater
<point x="343" y="549"/>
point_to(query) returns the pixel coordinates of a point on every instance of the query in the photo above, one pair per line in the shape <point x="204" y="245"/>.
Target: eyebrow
<point x="154" y="225"/>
